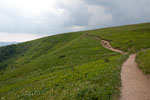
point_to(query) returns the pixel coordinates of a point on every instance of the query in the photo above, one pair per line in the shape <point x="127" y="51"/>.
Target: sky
<point x="24" y="20"/>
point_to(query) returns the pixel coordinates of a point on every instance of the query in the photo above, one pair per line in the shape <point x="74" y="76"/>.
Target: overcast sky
<point x="23" y="20"/>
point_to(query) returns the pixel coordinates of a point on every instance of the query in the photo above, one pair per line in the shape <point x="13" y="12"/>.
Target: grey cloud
<point x="125" y="11"/>
<point x="106" y="13"/>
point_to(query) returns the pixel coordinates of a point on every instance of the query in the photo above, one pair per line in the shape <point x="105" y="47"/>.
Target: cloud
<point x="59" y="16"/>
<point x="99" y="16"/>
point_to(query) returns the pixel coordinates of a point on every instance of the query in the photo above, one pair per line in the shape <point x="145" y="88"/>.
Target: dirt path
<point x="107" y="45"/>
<point x="135" y="85"/>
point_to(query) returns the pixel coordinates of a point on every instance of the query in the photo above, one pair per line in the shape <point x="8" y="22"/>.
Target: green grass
<point x="69" y="66"/>
<point x="64" y="63"/>
<point x="129" y="38"/>
<point x="143" y="60"/>
<point x="92" y="81"/>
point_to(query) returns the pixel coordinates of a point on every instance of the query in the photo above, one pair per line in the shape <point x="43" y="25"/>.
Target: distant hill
<point x="70" y="66"/>
<point x="7" y="43"/>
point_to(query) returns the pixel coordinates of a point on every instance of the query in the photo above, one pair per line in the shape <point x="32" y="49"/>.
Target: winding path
<point x="107" y="45"/>
<point x="135" y="85"/>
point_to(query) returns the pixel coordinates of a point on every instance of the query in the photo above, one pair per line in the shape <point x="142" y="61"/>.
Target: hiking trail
<point x="135" y="85"/>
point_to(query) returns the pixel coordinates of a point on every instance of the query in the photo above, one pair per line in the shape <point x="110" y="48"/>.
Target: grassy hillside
<point x="129" y="38"/>
<point x="143" y="59"/>
<point x="69" y="66"/>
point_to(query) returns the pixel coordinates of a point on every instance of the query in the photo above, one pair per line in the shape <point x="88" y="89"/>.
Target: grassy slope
<point x="143" y="59"/>
<point x="131" y="38"/>
<point x="68" y="65"/>
<point x="52" y="67"/>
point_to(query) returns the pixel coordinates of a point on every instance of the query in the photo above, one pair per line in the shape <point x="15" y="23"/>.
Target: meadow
<point x="128" y="38"/>
<point x="69" y="66"/>
<point x="143" y="60"/>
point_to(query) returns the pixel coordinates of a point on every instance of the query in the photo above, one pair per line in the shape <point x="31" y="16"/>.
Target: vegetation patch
<point x="143" y="60"/>
<point x="129" y="38"/>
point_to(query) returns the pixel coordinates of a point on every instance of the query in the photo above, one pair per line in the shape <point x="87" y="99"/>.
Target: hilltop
<point x="7" y="43"/>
